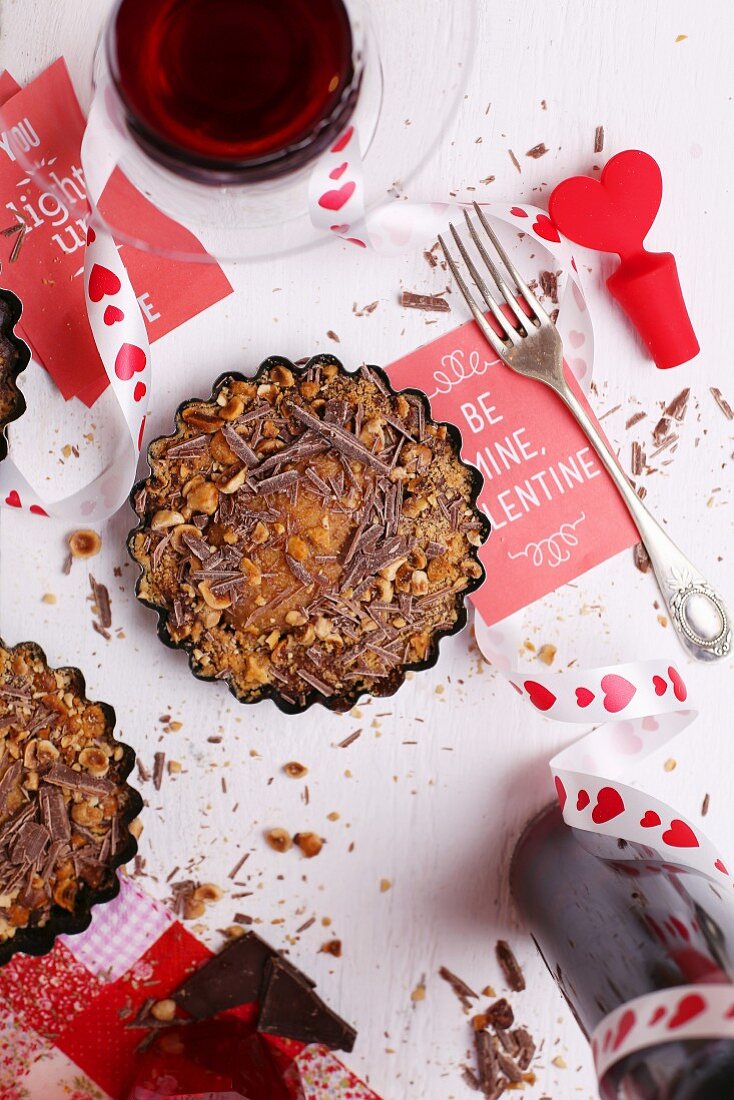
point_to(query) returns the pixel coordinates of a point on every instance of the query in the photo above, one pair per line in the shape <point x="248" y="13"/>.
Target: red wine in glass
<point x="612" y="924"/>
<point x="234" y="90"/>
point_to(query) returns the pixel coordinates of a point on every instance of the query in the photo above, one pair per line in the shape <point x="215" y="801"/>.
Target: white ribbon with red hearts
<point x="122" y="342"/>
<point x="665" y="1016"/>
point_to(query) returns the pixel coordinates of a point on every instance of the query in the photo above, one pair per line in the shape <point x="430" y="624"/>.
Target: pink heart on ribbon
<point x="343" y="141"/>
<point x="335" y="200"/>
<point x="337" y="173"/>
<point x="618" y="692"/>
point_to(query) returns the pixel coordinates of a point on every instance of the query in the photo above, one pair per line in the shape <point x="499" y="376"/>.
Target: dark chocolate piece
<point x="291" y="1009"/>
<point x="510" y="966"/>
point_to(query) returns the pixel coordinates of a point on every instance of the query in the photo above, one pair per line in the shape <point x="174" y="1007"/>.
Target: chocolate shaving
<point x="237" y="444"/>
<point x="500" y="1014"/>
<point x="526" y="1046"/>
<point x="54" y="813"/>
<point x="62" y="776"/>
<point x="340" y="439"/>
<point x="722" y="402"/>
<point x="509" y="966"/>
<point x="430" y="303"/>
<point x="537" y="151"/>
<point x="678" y="407"/>
<point x="486" y="1063"/>
<point x="102" y="600"/>
<point x="599" y="139"/>
<point x="159" y="761"/>
<point x="549" y="285"/>
<point x="460" y="988"/>
<point x="9" y="781"/>
<point x="638" y="459"/>
<point x="29" y="843"/>
<point x="320" y="685"/>
<point x="278" y="483"/>
<point x="510" y="1069"/>
<point x="195" y="446"/>
<point x="299" y="571"/>
<point x="638" y="416"/>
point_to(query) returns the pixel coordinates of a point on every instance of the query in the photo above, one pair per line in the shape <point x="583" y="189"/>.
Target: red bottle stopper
<point x="614" y="214"/>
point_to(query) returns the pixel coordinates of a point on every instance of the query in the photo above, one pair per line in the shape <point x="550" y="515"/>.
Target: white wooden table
<point x="443" y="776"/>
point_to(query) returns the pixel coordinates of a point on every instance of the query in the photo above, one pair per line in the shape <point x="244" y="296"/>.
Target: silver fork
<point x="532" y="346"/>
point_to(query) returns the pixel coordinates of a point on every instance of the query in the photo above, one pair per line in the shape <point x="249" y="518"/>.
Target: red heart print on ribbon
<point x="13" y="499"/>
<point x="342" y="142"/>
<point x="679" y="688"/>
<point x="609" y="804"/>
<point x="650" y="820"/>
<point x="335" y="200"/>
<point x="338" y="172"/>
<point x="140" y="391"/>
<point x="660" y="685"/>
<point x="545" y="228"/>
<point x="688" y="1008"/>
<point x="627" y="1021"/>
<point x="112" y="315"/>
<point x="720" y="866"/>
<point x="560" y="791"/>
<point x="680" y="835"/>
<point x="584" y="697"/>
<point x="657" y="1016"/>
<point x="540" y="696"/>
<point x="103" y="282"/>
<point x="618" y="692"/>
<point x="518" y="212"/>
<point x="130" y="360"/>
<point x="583" y="800"/>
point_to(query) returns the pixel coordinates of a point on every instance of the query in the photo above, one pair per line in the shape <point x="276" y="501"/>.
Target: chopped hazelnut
<point x="259" y="534"/>
<point x="164" y="1011"/>
<point x="217" y="601"/>
<point x="83" y="813"/>
<point x="419" y="583"/>
<point x="295" y="618"/>
<point x="84" y="544"/>
<point x="203" y="422"/>
<point x="332" y="947"/>
<point x="297" y="548"/>
<point x="208" y="893"/>
<point x="193" y="908"/>
<point x="309" y="843"/>
<point x="279" y="840"/>
<point x="95" y="761"/>
<point x="233" y="408"/>
<point x="204" y="498"/>
<point x="252" y="572"/>
<point x="165" y="518"/>
<point x="295" y="770"/>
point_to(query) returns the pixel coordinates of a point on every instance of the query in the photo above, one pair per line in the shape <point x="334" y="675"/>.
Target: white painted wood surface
<point x="443" y="776"/>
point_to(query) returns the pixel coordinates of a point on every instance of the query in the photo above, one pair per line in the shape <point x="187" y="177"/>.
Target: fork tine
<point x="498" y="277"/>
<point x="479" y="317"/>
<point x="484" y="290"/>
<point x="520" y="283"/>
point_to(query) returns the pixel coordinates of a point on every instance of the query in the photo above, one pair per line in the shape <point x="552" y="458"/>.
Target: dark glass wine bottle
<point x="612" y="924"/>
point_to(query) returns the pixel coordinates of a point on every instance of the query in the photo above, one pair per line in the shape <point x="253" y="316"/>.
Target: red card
<point x="554" y="510"/>
<point x="48" y="274"/>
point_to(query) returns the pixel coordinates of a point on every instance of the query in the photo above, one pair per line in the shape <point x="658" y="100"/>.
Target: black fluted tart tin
<point x="15" y="356"/>
<point x="40" y="940"/>
<point x="389" y="684"/>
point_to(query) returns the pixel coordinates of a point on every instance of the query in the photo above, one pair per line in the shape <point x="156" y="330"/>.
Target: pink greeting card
<point x="43" y="122"/>
<point x="554" y="510"/>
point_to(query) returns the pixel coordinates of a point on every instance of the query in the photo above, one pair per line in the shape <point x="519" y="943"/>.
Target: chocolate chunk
<point x="237" y="444"/>
<point x="460" y="988"/>
<point x="500" y="1014"/>
<point x="291" y="1009"/>
<point x="9" y="781"/>
<point x="526" y="1044"/>
<point x="599" y="139"/>
<point x="431" y="303"/>
<point x="29" y="843"/>
<point x="233" y="977"/>
<point x="486" y="1062"/>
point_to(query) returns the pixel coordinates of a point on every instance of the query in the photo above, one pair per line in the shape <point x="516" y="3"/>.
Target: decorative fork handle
<point x="697" y="611"/>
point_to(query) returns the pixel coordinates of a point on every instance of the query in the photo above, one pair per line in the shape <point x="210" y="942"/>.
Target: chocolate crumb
<point x="500" y="1014"/>
<point x="638" y="459"/>
<point x="599" y="139"/>
<point x="678" y="407"/>
<point x="514" y="160"/>
<point x="349" y="740"/>
<point x="641" y="558"/>
<point x="638" y="416"/>
<point x="549" y="285"/>
<point x="722" y="403"/>
<point x="460" y="988"/>
<point x="537" y="151"/>
<point x="705" y="806"/>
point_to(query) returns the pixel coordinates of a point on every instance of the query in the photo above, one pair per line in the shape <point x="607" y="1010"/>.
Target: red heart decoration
<point x="102" y="281"/>
<point x="720" y="867"/>
<point x="140" y="391"/>
<point x="657" y="1015"/>
<point x="540" y="696"/>
<point x="607" y="1039"/>
<point x="545" y="228"/>
<point x="609" y="804"/>
<point x="130" y="360"/>
<point x="660" y="685"/>
<point x="584" y="696"/>
<point x="583" y="800"/>
<point x="618" y="692"/>
<point x="113" y="314"/>
<point x="343" y="141"/>
<point x="688" y="1008"/>
<point x="339" y="228"/>
<point x="560" y="791"/>
<point x="13" y="499"/>
<point x="140" y="433"/>
<point x="37" y="510"/>
<point x="650" y="820"/>
<point x="337" y="173"/>
<point x="518" y="212"/>
<point x="627" y="1021"/>
<point x="615" y="212"/>
<point x="679" y="688"/>
<point x="335" y="200"/>
<point x="730" y="1013"/>
<point x="680" y="835"/>
<point x="91" y="236"/>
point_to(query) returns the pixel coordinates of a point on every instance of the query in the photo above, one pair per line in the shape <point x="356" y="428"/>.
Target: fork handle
<point x="696" y="610"/>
